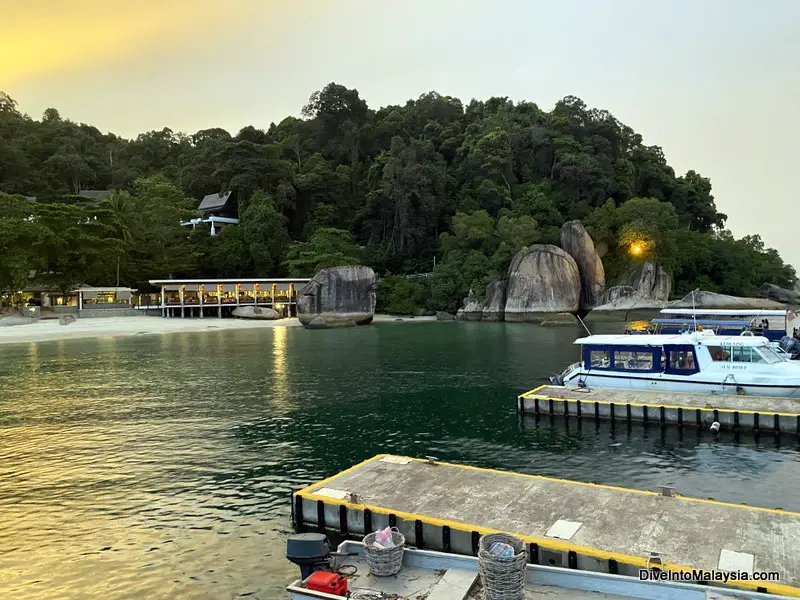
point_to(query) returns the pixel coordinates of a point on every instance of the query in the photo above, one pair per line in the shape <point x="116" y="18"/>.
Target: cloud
<point x="48" y="36"/>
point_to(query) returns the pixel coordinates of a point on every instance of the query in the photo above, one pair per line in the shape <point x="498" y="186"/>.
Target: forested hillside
<point x="394" y="188"/>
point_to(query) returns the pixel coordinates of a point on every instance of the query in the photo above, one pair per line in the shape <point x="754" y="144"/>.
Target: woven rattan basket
<point x="503" y="578"/>
<point x="387" y="561"/>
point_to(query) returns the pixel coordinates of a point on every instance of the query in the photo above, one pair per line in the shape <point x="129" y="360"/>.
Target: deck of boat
<point x="447" y="507"/>
<point x="428" y="575"/>
<point x="781" y="415"/>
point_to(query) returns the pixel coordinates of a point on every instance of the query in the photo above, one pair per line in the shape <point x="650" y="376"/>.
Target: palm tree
<point x="125" y="221"/>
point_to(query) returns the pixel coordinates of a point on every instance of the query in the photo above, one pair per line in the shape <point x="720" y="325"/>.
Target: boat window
<point x="681" y="360"/>
<point x="770" y="356"/>
<point x="720" y="353"/>
<point x="632" y="360"/>
<point x="600" y="359"/>
<point x="746" y="354"/>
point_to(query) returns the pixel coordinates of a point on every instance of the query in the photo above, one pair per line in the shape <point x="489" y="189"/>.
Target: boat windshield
<point x="770" y="356"/>
<point x="746" y="354"/>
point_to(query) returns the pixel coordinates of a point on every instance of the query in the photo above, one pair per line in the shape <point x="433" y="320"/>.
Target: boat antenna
<point x="694" y="310"/>
<point x="584" y="324"/>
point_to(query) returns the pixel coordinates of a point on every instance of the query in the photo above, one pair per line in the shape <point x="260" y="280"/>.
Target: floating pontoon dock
<point x="780" y="415"/>
<point x="447" y="507"/>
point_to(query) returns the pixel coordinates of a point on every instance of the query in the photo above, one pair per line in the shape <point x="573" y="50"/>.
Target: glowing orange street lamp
<point x="636" y="249"/>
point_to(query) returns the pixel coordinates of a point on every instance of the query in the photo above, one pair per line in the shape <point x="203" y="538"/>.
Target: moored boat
<point x="430" y="575"/>
<point x="771" y="324"/>
<point x="700" y="361"/>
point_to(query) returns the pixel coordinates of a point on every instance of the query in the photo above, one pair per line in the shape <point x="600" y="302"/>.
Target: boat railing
<point x="573" y="367"/>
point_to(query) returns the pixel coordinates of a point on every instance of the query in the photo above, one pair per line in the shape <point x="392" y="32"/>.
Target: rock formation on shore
<point x="13" y="320"/>
<point x="779" y="294"/>
<point x="256" y="312"/>
<point x="542" y="279"/>
<point x="577" y="243"/>
<point x="647" y="285"/>
<point x="494" y="305"/>
<point x="471" y="310"/>
<point x="338" y="297"/>
<point x="712" y="300"/>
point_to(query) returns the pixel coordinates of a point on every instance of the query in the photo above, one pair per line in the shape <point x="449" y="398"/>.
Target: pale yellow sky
<point x="715" y="83"/>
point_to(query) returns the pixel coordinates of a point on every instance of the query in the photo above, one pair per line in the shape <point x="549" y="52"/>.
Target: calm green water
<point x="160" y="467"/>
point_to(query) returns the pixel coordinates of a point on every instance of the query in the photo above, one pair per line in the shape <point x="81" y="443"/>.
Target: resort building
<point x="83" y="301"/>
<point x="220" y="297"/>
<point x="218" y="209"/>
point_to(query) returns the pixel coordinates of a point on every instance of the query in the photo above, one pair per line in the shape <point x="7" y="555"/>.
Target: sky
<point x="715" y="83"/>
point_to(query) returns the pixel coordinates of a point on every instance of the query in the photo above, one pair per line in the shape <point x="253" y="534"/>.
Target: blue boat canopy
<point x="703" y="322"/>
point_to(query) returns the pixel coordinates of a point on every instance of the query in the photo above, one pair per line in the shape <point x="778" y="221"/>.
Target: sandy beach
<point x="49" y="330"/>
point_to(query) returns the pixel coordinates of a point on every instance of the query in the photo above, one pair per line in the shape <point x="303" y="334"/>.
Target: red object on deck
<point x="330" y="583"/>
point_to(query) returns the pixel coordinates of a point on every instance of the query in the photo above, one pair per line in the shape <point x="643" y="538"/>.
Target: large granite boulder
<point x="651" y="281"/>
<point x="471" y="309"/>
<point x="779" y="294"/>
<point x="256" y="312"/>
<point x="543" y="279"/>
<point x="14" y="320"/>
<point x="330" y="321"/>
<point x="340" y="295"/>
<point x="713" y="300"/>
<point x="580" y="246"/>
<point x="494" y="307"/>
<point x="645" y="286"/>
<point x="444" y="316"/>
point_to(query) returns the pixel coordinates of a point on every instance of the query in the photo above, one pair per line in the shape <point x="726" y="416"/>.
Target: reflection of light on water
<point x="33" y="355"/>
<point x="639" y="325"/>
<point x="281" y="387"/>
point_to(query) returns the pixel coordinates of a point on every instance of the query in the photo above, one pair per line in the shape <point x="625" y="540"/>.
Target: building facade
<point x="220" y="297"/>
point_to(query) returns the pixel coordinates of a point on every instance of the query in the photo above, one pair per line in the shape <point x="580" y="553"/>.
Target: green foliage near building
<point x="398" y="295"/>
<point x="327" y="247"/>
<point x="435" y="180"/>
<point x="21" y="238"/>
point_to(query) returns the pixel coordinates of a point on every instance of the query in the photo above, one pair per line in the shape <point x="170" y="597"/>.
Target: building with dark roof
<point x="218" y="209"/>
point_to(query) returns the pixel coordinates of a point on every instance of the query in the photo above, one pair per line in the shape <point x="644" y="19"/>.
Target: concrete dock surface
<point x="729" y="410"/>
<point x="570" y="524"/>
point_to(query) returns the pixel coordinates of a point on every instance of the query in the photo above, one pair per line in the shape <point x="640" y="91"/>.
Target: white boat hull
<point x="667" y="384"/>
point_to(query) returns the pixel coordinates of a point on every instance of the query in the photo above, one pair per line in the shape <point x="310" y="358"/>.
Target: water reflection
<point x="161" y="466"/>
<point x="280" y="388"/>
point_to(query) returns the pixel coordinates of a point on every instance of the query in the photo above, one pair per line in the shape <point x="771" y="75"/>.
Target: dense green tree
<point x="264" y="234"/>
<point x="78" y="246"/>
<point x="326" y="248"/>
<point x="124" y="223"/>
<point x="464" y="184"/>
<point x="21" y="240"/>
<point x="163" y="249"/>
<point x="227" y="254"/>
<point x="408" y="206"/>
<point x="398" y="295"/>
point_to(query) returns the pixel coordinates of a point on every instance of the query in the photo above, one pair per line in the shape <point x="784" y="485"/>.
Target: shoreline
<point x="48" y="330"/>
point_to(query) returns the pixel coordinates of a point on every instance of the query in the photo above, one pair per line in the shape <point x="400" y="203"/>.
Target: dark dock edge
<point x="659" y="414"/>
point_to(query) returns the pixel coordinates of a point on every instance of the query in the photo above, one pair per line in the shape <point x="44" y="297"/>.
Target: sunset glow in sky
<point x="714" y="83"/>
